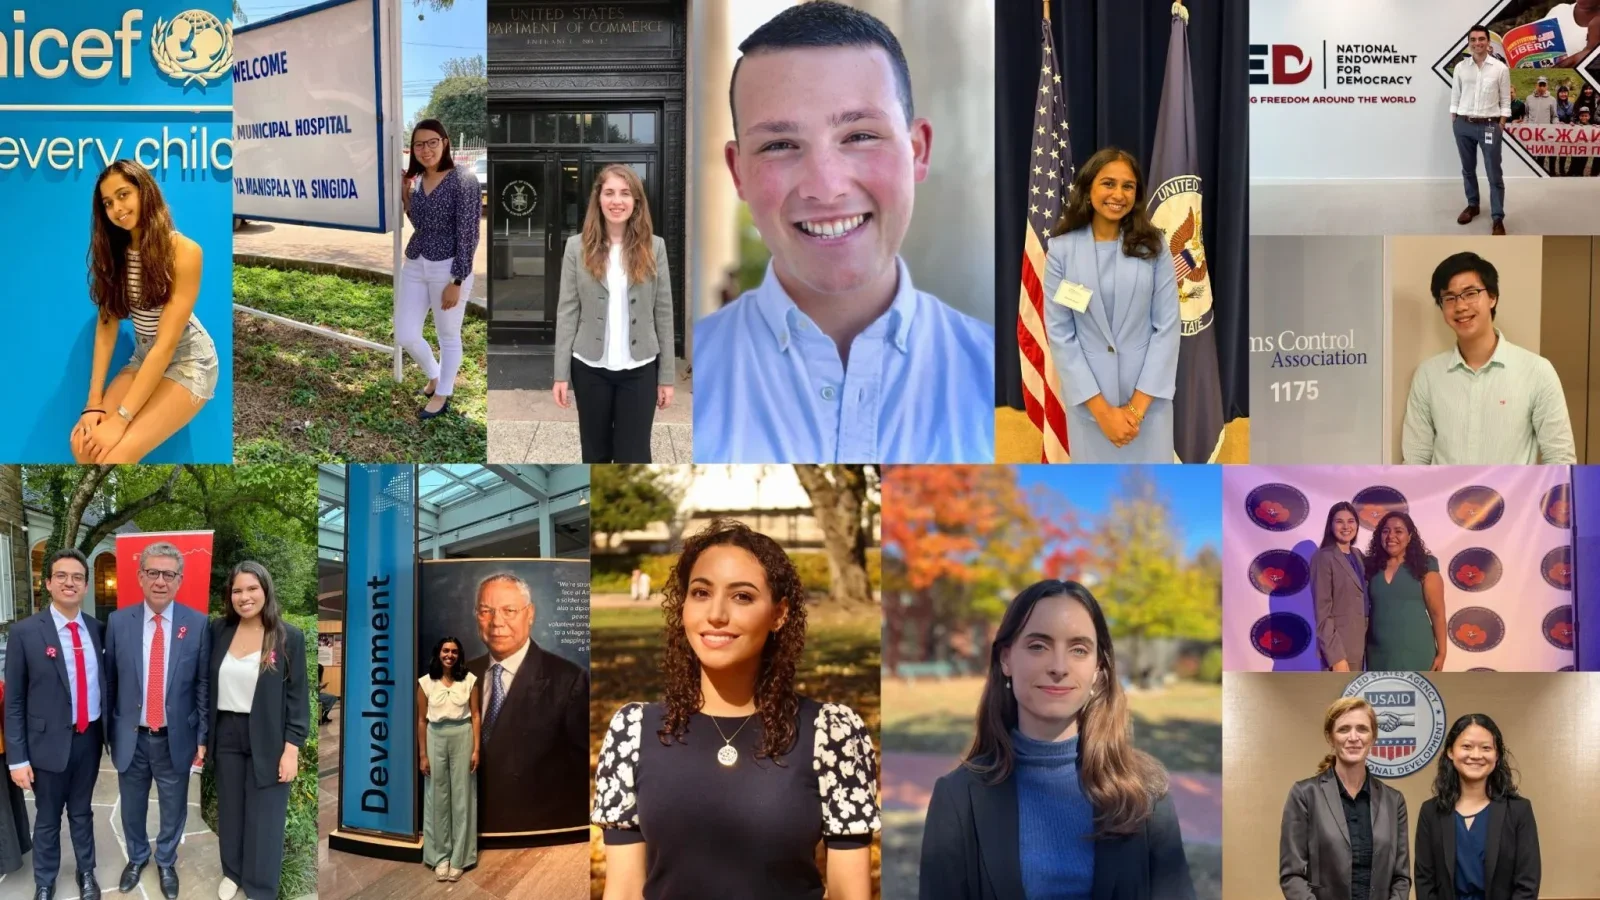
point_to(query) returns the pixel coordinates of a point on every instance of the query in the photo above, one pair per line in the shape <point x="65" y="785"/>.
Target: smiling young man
<point x="1480" y="103"/>
<point x="836" y="357"/>
<point x="1486" y="401"/>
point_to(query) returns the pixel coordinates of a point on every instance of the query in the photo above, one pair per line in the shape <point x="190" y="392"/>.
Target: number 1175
<point x="1290" y="391"/>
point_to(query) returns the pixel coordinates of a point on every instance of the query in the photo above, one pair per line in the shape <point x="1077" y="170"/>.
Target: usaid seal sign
<point x="1411" y="722"/>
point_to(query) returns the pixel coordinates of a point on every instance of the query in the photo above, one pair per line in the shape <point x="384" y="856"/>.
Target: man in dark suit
<point x="55" y="682"/>
<point x="158" y="668"/>
<point x="534" y="760"/>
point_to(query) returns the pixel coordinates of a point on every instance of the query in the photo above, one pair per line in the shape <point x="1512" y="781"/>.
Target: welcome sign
<point x="87" y="83"/>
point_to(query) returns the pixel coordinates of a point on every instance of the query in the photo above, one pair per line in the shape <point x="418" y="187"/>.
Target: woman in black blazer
<point x="1029" y="815"/>
<point x="260" y="715"/>
<point x="1476" y="838"/>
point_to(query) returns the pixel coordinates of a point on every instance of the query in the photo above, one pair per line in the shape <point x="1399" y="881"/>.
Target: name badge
<point x="1488" y="136"/>
<point x="1073" y="296"/>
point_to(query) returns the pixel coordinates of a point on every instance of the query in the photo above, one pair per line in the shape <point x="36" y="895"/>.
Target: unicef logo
<point x="1475" y="569"/>
<point x="1557" y="506"/>
<point x="1476" y="508"/>
<point x="1279" y="573"/>
<point x="1280" y="635"/>
<point x="1375" y="502"/>
<point x="1277" y="507"/>
<point x="1476" y="629"/>
<point x="194" y="46"/>
<point x="519" y="198"/>
<point x="1558" y="628"/>
<point x="1410" y="721"/>
<point x="1556" y="567"/>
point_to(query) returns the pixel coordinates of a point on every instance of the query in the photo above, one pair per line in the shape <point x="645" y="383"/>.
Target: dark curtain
<point x="1113" y="55"/>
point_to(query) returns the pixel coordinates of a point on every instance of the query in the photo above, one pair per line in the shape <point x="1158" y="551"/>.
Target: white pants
<point x="421" y="287"/>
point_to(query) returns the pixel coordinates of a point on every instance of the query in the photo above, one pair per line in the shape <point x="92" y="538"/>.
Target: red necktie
<point x="155" y="703"/>
<point x="83" y="679"/>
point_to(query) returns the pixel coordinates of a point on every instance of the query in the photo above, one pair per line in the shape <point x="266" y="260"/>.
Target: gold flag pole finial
<point x="1179" y="11"/>
<point x="1047" y="10"/>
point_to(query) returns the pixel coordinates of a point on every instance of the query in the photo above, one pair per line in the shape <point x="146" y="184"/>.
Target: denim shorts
<point x="194" y="361"/>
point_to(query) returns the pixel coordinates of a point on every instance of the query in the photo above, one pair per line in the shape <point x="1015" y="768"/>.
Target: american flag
<point x="1050" y="175"/>
<point x="1394" y="748"/>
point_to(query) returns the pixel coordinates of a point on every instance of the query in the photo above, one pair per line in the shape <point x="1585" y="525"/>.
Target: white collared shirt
<point x="166" y="650"/>
<point x="1481" y="92"/>
<point x="616" y="354"/>
<point x="509" y="667"/>
<point x="91" y="662"/>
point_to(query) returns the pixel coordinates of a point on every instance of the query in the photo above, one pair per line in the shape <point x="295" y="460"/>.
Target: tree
<point x="840" y="500"/>
<point x="464" y="67"/>
<point x="629" y="497"/>
<point x="460" y="100"/>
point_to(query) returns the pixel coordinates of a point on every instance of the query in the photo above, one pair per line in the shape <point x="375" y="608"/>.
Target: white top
<point x="448" y="703"/>
<point x="616" y="355"/>
<point x="509" y="667"/>
<point x="1481" y="92"/>
<point x="236" y="682"/>
<point x="166" y="656"/>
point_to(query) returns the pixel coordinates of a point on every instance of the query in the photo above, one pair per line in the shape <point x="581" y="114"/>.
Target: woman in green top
<point x="1406" y="629"/>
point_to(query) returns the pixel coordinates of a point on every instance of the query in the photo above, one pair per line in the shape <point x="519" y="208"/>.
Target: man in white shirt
<point x="1480" y="104"/>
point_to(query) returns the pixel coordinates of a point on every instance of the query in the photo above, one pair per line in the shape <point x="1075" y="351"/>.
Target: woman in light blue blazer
<point x="1111" y="312"/>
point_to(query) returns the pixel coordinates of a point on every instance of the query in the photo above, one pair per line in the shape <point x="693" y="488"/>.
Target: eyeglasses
<point x="1470" y="295"/>
<point x="430" y="144"/>
<point x="486" y="614"/>
<point x="161" y="574"/>
<point x="68" y="578"/>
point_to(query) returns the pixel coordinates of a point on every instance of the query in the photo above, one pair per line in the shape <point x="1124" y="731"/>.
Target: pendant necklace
<point x="728" y="755"/>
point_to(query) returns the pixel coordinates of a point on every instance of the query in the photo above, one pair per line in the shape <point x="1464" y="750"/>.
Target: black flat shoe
<point x="169" y="882"/>
<point x="130" y="876"/>
<point x="424" y="415"/>
<point x="88" y="888"/>
<point x="428" y="394"/>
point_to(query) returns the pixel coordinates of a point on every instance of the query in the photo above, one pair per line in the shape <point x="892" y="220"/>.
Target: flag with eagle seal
<point x="1175" y="208"/>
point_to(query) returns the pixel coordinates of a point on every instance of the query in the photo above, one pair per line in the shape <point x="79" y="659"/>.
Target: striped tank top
<point x="144" y="320"/>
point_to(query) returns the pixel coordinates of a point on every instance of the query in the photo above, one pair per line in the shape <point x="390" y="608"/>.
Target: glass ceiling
<point x="439" y="487"/>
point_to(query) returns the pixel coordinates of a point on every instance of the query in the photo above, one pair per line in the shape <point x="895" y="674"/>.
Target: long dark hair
<point x="1140" y="237"/>
<point x="1502" y="782"/>
<point x="108" y="246"/>
<point x="445" y="162"/>
<point x="1328" y="540"/>
<point x="776" y="700"/>
<point x="458" y="672"/>
<point x="1121" y="781"/>
<point x="1416" y="552"/>
<point x="271" y="618"/>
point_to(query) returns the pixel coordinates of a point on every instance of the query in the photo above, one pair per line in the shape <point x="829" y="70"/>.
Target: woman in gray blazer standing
<point x="1344" y="831"/>
<point x="1339" y="592"/>
<point x="614" y="341"/>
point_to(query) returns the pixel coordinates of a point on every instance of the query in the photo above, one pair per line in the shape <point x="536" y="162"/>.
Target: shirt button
<point x="828" y="393"/>
<point x="1110" y="349"/>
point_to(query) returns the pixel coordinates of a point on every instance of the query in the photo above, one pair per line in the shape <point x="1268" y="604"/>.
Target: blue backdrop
<point x="60" y="123"/>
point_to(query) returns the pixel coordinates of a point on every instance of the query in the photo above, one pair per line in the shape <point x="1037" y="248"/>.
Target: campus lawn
<point x="300" y="397"/>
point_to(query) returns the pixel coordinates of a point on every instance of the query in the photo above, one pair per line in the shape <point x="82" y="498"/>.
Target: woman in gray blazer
<point x="614" y="341"/>
<point x="1339" y="592"/>
<point x="1344" y="831"/>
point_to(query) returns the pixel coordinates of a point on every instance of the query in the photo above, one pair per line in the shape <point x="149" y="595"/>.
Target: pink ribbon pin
<point x="50" y="652"/>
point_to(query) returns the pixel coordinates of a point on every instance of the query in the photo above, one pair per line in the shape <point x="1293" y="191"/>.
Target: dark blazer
<point x="970" y="848"/>
<point x="280" y="709"/>
<point x="1340" y="600"/>
<point x="188" y="681"/>
<point x="39" y="713"/>
<point x="585" y="301"/>
<point x="533" y="767"/>
<point x="1510" y="853"/>
<point x="1314" y="842"/>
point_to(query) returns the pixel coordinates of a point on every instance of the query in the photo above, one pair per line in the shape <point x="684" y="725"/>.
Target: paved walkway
<point x="345" y="248"/>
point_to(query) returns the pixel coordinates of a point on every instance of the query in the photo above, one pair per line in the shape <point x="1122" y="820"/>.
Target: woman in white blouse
<point x="448" y="725"/>
<point x="614" y="332"/>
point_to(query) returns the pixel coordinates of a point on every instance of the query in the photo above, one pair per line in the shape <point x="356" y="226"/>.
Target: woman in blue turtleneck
<point x="1068" y="809"/>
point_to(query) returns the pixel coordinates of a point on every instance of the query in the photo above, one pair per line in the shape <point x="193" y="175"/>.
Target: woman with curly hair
<point x="725" y="787"/>
<point x="1052" y="799"/>
<point x="1405" y="631"/>
<point x="1476" y="838"/>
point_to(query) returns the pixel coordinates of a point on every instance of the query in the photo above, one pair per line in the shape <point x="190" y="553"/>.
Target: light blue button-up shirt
<point x="91" y="661"/>
<point x="770" y="387"/>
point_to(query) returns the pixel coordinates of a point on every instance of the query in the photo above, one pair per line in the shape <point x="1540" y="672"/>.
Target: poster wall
<point x="1501" y="534"/>
<point x="1586" y="583"/>
<point x="194" y="591"/>
<point x="530" y="619"/>
<point x="87" y="83"/>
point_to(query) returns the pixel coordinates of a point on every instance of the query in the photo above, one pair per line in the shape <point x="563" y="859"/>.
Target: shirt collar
<point x="1499" y="357"/>
<point x="783" y="317"/>
<point x="150" y="614"/>
<point x="513" y="662"/>
<point x="63" y="621"/>
<point x="1366" y="784"/>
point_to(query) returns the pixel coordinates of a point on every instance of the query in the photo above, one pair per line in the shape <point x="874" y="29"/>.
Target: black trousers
<point x="250" y="818"/>
<point x="615" y="411"/>
<point x="71" y="789"/>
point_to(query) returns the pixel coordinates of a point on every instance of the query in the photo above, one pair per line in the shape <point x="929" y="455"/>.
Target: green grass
<point x="301" y="398"/>
<point x="1180" y="725"/>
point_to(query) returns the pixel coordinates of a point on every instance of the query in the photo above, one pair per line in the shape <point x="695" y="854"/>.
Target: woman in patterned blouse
<point x="443" y="202"/>
<point x="726" y="786"/>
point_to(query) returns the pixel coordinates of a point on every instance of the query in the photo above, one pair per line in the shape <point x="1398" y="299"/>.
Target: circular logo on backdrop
<point x="519" y="198"/>
<point x="1279" y="573"/>
<point x="1482" y="669"/>
<point x="194" y="46"/>
<point x="1373" y="503"/>
<point x="1476" y="629"/>
<point x="1557" y="506"/>
<point x="1475" y="569"/>
<point x="1175" y="209"/>
<point x="1477" y="507"/>
<point x="1277" y="507"/>
<point x="1556" y="567"/>
<point x="1410" y="721"/>
<point x="1558" y="627"/>
<point x="1280" y="635"/>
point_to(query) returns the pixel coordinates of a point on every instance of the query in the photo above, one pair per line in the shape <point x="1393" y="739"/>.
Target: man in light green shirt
<point x="1486" y="401"/>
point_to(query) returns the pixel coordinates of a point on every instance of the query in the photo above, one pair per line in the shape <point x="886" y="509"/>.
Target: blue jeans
<point x="1469" y="137"/>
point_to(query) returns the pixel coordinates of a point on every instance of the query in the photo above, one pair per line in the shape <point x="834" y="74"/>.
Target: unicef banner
<point x="378" y="763"/>
<point x="89" y="83"/>
<point x="308" y="153"/>
<point x="1500" y="537"/>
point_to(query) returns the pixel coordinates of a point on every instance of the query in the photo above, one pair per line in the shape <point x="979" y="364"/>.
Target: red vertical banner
<point x="195" y="589"/>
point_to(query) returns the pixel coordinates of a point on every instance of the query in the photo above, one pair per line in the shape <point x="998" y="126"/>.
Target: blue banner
<point x="87" y="83"/>
<point x="1586" y="578"/>
<point x="378" y="760"/>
